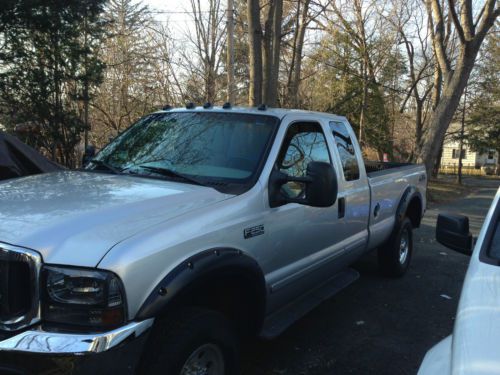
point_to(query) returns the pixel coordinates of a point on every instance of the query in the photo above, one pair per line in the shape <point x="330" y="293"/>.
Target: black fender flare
<point x="408" y="195"/>
<point x="202" y="266"/>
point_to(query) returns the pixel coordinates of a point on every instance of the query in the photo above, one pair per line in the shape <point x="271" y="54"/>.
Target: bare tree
<point x="409" y="20"/>
<point x="359" y="19"/>
<point x="140" y="74"/>
<point x="170" y="89"/>
<point x="208" y="41"/>
<point x="125" y="93"/>
<point x="455" y="72"/>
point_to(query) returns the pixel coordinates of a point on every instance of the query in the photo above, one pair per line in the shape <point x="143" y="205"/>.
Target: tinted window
<point x="346" y="151"/>
<point x="303" y="143"/>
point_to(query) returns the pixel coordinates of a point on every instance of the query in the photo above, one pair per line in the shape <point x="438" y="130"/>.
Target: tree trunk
<point x="212" y="54"/>
<point x="272" y="92"/>
<point x="461" y="148"/>
<point x="460" y="157"/>
<point x="436" y="90"/>
<point x="231" y="93"/>
<point x="418" y="126"/>
<point x="437" y="163"/>
<point x="255" y="49"/>
<point x="210" y="87"/>
<point x="267" y="56"/>
<point x="364" y="104"/>
<point x="454" y="86"/>
<point x="294" y="84"/>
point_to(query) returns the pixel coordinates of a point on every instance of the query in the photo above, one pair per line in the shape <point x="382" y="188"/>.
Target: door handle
<point x="341" y="207"/>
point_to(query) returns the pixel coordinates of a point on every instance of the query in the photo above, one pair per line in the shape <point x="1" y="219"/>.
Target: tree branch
<point x="467" y="20"/>
<point x="488" y="18"/>
<point x="434" y="11"/>
<point x="454" y="17"/>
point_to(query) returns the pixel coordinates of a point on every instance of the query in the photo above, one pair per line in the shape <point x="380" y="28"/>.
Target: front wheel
<point x="395" y="255"/>
<point x="191" y="341"/>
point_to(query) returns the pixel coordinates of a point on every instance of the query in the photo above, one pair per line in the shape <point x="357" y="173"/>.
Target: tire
<point x="189" y="338"/>
<point x="395" y="255"/>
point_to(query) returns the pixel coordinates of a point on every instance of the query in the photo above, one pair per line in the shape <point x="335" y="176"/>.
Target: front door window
<point x="303" y="143"/>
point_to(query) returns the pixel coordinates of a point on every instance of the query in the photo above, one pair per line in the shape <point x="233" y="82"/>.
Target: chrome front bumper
<point x="40" y="341"/>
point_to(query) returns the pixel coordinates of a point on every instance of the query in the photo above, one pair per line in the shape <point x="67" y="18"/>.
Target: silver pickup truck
<point x="193" y="228"/>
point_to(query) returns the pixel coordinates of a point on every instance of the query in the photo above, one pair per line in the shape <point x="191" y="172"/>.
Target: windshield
<point x="211" y="147"/>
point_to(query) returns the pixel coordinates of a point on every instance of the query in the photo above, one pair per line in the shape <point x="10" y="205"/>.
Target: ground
<point x="379" y="325"/>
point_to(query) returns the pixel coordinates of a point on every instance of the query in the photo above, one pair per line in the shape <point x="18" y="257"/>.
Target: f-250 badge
<point x="253" y="231"/>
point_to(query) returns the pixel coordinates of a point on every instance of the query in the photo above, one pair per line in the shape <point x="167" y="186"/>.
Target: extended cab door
<point x="303" y="240"/>
<point x="354" y="194"/>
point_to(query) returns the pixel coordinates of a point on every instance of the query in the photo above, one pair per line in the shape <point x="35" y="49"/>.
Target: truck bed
<point x="377" y="168"/>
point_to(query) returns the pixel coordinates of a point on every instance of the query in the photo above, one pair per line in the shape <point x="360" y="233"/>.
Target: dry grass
<point x="444" y="190"/>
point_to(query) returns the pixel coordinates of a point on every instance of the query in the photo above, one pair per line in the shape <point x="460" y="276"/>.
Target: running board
<point x="279" y="321"/>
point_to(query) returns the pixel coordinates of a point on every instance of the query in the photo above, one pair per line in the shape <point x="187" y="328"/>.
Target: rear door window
<point x="345" y="148"/>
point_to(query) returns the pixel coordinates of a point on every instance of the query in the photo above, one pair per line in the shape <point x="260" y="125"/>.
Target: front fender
<point x="202" y="267"/>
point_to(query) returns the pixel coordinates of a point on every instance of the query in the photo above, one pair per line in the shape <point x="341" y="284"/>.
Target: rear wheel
<point x="192" y="341"/>
<point x="395" y="255"/>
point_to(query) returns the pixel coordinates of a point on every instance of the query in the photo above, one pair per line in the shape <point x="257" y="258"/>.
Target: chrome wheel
<point x="404" y="246"/>
<point x="206" y="360"/>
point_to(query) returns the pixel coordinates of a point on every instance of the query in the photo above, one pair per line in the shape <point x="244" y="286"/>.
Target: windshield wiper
<point x="171" y="173"/>
<point x="107" y="166"/>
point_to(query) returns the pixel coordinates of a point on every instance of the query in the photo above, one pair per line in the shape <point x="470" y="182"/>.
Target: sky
<point x="175" y="13"/>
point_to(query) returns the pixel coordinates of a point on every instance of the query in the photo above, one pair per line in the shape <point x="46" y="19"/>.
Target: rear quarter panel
<point x="387" y="188"/>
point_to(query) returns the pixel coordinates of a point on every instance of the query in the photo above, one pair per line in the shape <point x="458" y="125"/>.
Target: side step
<point x="279" y="321"/>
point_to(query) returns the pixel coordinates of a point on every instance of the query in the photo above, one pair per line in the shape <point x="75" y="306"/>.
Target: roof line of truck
<point x="278" y="112"/>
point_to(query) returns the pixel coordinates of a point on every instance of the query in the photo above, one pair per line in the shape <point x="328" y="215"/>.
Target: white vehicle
<point x="474" y="346"/>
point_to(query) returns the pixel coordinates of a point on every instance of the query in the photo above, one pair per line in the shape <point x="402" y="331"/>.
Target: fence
<point x="466" y="170"/>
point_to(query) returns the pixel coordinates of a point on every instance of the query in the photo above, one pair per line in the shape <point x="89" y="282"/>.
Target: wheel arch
<point x="224" y="279"/>
<point x="410" y="206"/>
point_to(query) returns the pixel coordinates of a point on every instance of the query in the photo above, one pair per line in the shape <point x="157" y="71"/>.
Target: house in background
<point x="471" y="160"/>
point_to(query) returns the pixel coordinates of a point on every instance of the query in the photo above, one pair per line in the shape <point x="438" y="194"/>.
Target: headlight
<point x="80" y="296"/>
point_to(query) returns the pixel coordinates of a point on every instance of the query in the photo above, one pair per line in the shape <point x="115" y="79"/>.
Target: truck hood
<point x="75" y="217"/>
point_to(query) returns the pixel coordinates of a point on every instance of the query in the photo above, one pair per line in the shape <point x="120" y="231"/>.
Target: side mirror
<point x="452" y="231"/>
<point x="321" y="186"/>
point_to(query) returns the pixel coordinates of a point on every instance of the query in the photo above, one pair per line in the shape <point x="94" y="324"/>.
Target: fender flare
<point x="203" y="266"/>
<point x="408" y="195"/>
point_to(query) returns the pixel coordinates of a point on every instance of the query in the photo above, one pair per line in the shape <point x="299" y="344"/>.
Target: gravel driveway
<point x="379" y="325"/>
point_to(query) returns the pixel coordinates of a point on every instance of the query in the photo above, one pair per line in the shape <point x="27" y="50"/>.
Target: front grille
<point x="19" y="297"/>
<point x="15" y="289"/>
